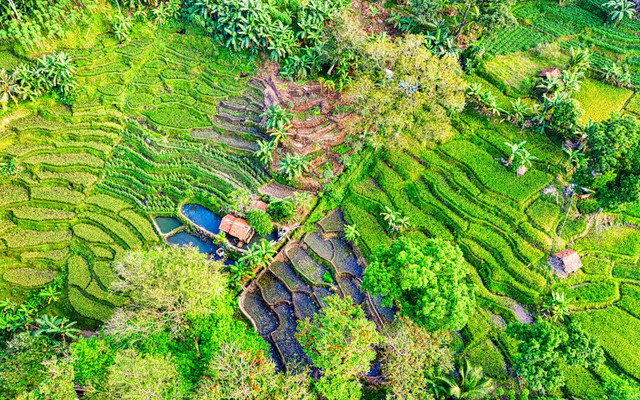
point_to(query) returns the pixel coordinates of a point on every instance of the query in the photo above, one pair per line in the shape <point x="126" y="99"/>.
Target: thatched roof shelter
<point x="550" y="73"/>
<point x="569" y="260"/>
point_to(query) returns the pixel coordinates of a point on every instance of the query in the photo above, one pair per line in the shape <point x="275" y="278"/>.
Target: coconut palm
<point x="265" y="153"/>
<point x="293" y="165"/>
<point x="56" y="326"/>
<point x="516" y="149"/>
<point x="579" y="59"/>
<point x="395" y="219"/>
<point x="50" y="293"/>
<point x="517" y="114"/>
<point x="620" y="9"/>
<point x="571" y="81"/>
<point x="239" y="271"/>
<point x="351" y="232"/>
<point x="472" y="383"/>
<point x="549" y="84"/>
<point x="259" y="255"/>
<point x="526" y="158"/>
<point x="557" y="306"/>
<point x="575" y="160"/>
<point x="303" y="199"/>
<point x="9" y="89"/>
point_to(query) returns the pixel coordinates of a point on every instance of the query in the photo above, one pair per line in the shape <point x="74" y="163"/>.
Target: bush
<point x="588" y="206"/>
<point x="281" y="210"/>
<point x="260" y="221"/>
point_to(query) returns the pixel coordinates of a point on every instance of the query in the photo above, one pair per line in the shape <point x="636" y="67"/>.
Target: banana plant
<point x="56" y="326"/>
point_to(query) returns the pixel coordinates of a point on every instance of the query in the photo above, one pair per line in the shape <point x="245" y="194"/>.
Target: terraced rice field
<point x="159" y="121"/>
<point x="294" y="286"/>
<point x="507" y="229"/>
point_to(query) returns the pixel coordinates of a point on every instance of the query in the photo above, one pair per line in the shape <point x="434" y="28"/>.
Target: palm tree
<point x="612" y="72"/>
<point x="277" y="117"/>
<point x="294" y="165"/>
<point x="260" y="254"/>
<point x="557" y="306"/>
<point x="278" y="133"/>
<point x="265" y="153"/>
<point x="620" y="9"/>
<point x="239" y="271"/>
<point x="472" y="384"/>
<point x="351" y="232"/>
<point x="579" y="60"/>
<point x="575" y="158"/>
<point x="526" y="158"/>
<point x="571" y="82"/>
<point x="516" y="149"/>
<point x="56" y="326"/>
<point x="396" y="221"/>
<point x="51" y="293"/>
<point x="549" y="84"/>
<point x="303" y="200"/>
<point x="9" y="89"/>
<point x="519" y="108"/>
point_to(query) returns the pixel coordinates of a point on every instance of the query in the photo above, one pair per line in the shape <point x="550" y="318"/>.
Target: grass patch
<point x="599" y="99"/>
<point x="29" y="277"/>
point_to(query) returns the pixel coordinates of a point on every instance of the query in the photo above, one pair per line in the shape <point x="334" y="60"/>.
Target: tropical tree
<point x="293" y="165"/>
<point x="9" y="89"/>
<point x="518" y="111"/>
<point x="570" y="81"/>
<point x="351" y="232"/>
<point x="620" y="10"/>
<point x="260" y="254"/>
<point x="50" y="293"/>
<point x="516" y="150"/>
<point x="472" y="383"/>
<point x="579" y="59"/>
<point x="265" y="153"/>
<point x="277" y="117"/>
<point x="426" y="280"/>
<point x="557" y="306"/>
<point x="339" y="340"/>
<point x="395" y="219"/>
<point x="525" y="158"/>
<point x="549" y="85"/>
<point x="260" y="221"/>
<point x="239" y="271"/>
<point x="56" y="326"/>
<point x="303" y="199"/>
<point x="575" y="158"/>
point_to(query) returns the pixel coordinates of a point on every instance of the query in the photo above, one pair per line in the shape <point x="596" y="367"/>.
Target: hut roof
<point x="236" y="227"/>
<point x="550" y="73"/>
<point x="259" y="205"/>
<point x="570" y="260"/>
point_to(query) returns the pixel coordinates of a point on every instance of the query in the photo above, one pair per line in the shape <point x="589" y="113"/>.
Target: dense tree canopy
<point x="339" y="340"/>
<point x="543" y="345"/>
<point x="613" y="160"/>
<point x="426" y="280"/>
<point x="407" y="91"/>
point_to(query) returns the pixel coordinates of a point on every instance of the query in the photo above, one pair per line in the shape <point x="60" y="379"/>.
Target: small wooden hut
<point x="237" y="228"/>
<point x="569" y="261"/>
<point x="550" y="73"/>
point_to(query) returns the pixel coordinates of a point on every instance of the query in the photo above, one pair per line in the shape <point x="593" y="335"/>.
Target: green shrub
<point x="28" y="277"/>
<point x="588" y="206"/>
<point x="281" y="210"/>
<point x="260" y="221"/>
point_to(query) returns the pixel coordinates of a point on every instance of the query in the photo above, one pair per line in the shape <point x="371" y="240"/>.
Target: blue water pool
<point x="186" y="239"/>
<point x="202" y="217"/>
<point x="167" y="224"/>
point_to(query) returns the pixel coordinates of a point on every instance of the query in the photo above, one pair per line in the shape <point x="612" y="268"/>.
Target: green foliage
<point x="339" y="340"/>
<point x="282" y="210"/>
<point x="93" y="357"/>
<point x="28" y="277"/>
<point x="426" y="280"/>
<point x="542" y="345"/>
<point x="416" y="99"/>
<point x="614" y="157"/>
<point x="138" y="376"/>
<point x="260" y="221"/>
<point x="413" y="358"/>
<point x="21" y="363"/>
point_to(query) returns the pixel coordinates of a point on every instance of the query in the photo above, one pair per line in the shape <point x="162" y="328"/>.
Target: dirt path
<point x="277" y="190"/>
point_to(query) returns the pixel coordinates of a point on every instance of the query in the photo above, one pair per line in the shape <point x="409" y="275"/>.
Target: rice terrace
<point x="320" y="199"/>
